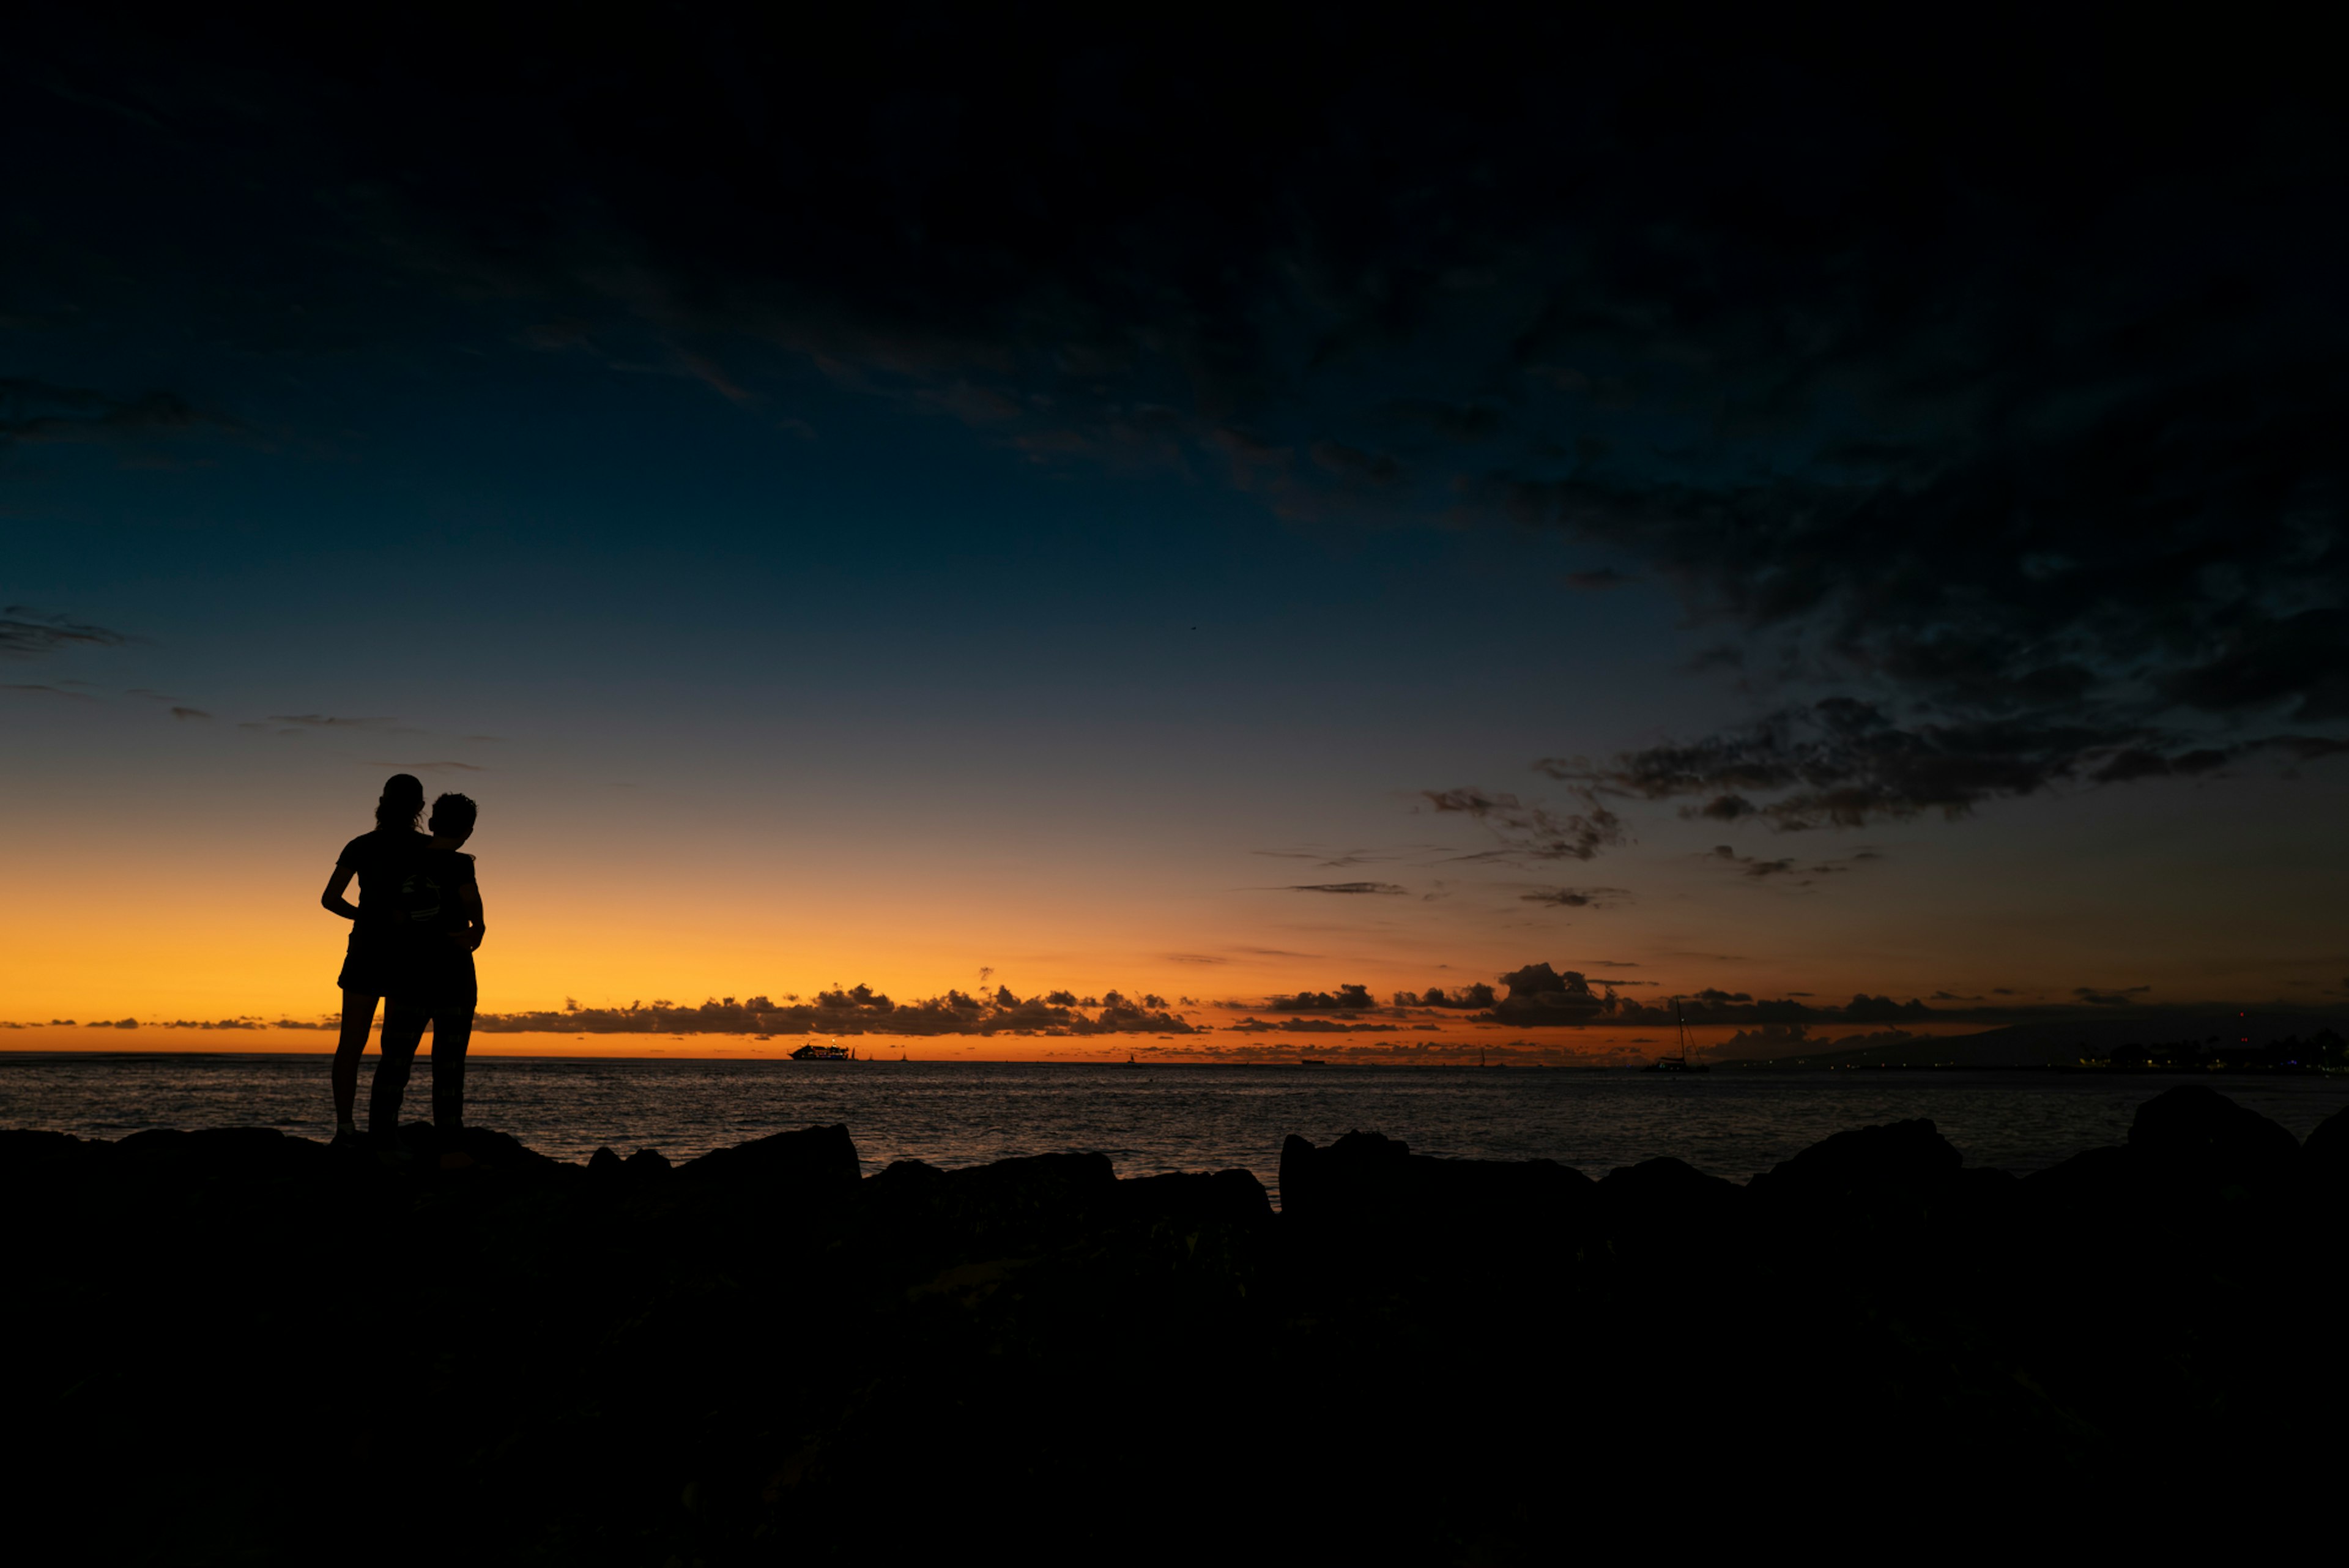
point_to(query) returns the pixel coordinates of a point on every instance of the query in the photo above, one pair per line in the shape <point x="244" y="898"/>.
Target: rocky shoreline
<point x="239" y="1345"/>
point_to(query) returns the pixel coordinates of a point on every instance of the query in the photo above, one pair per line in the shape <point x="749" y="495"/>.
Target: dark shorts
<point x="439" y="981"/>
<point x="372" y="965"/>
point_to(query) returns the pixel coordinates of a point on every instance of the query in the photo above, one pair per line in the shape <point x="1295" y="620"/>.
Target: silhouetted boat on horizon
<point x="1680" y="1064"/>
<point x="814" y="1052"/>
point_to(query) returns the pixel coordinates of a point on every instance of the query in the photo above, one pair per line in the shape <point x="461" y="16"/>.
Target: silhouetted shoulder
<point x="376" y="846"/>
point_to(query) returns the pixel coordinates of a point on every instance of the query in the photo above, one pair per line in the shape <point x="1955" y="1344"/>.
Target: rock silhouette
<point x="2325" y="1154"/>
<point x="2198" y="1136"/>
<point x="761" y="1355"/>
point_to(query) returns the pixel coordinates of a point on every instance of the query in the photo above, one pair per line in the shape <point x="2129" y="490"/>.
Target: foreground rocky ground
<point x="237" y="1347"/>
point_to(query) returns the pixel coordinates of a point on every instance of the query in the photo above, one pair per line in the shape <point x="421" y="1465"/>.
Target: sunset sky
<point x="1217" y="520"/>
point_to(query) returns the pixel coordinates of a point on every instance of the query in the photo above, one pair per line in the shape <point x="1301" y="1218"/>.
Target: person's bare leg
<point x="403" y="1031"/>
<point x="358" y="1015"/>
<point x="452" y="1032"/>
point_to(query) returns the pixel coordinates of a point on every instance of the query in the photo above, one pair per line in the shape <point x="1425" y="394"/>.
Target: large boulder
<point x="1033" y="1191"/>
<point x="1866" y="1162"/>
<point x="2198" y="1136"/>
<point x="1665" y="1186"/>
<point x="811" y="1161"/>
<point x="1223" y="1197"/>
<point x="1359" y="1166"/>
<point x="606" y="1166"/>
<point x="1007" y="1206"/>
<point x="2090" y="1179"/>
<point x="2326" y="1153"/>
<point x="1368" y="1178"/>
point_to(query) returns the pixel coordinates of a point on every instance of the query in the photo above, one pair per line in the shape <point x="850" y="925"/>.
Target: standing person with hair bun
<point x="380" y="860"/>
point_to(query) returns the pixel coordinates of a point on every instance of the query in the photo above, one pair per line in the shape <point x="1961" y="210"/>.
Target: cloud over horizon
<point x="859" y="1009"/>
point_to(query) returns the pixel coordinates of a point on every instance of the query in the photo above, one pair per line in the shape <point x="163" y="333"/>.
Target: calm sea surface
<point x="1146" y="1119"/>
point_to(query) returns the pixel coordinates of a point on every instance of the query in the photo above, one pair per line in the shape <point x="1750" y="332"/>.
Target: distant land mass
<point x="2055" y="1043"/>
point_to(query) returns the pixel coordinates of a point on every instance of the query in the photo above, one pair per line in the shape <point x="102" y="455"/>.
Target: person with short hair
<point x="433" y="981"/>
<point x="378" y="860"/>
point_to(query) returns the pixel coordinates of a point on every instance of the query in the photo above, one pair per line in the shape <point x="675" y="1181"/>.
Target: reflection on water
<point x="1150" y="1118"/>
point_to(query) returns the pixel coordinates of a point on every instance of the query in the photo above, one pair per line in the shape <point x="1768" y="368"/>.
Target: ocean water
<point x="1145" y="1118"/>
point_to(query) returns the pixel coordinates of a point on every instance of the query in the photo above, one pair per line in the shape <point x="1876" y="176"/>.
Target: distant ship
<point x="823" y="1053"/>
<point x="1680" y="1064"/>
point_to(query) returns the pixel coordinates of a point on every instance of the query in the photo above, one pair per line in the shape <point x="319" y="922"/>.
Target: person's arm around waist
<point x="476" y="927"/>
<point x="332" y="899"/>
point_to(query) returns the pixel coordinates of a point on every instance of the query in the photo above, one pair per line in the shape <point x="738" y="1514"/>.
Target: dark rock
<point x="1225" y="1197"/>
<point x="907" y="1177"/>
<point x="648" y="1162"/>
<point x="1006" y="1205"/>
<point x="500" y="1151"/>
<point x="22" y="1148"/>
<point x="1663" y="1205"/>
<point x="1359" y="1169"/>
<point x="1370" y="1178"/>
<point x="1038" y="1302"/>
<point x="811" y="1160"/>
<point x="1863" y="1162"/>
<point x="2199" y="1136"/>
<point x="1500" y="1192"/>
<point x="2325" y="1154"/>
<point x="1666" y="1182"/>
<point x="1297" y="1187"/>
<point x="2091" y="1178"/>
<point x="1012" y="1193"/>
<point x="221" y="1151"/>
<point x="1989" y="1187"/>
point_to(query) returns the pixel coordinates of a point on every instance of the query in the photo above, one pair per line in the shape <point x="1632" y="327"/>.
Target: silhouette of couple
<point x="413" y="932"/>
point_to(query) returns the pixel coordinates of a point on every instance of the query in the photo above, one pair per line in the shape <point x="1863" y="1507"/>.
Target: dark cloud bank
<point x="1535" y="996"/>
<point x="859" y="1009"/>
<point x="1980" y="384"/>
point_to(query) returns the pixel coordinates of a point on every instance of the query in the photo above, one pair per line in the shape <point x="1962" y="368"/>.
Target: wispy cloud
<point x="1530" y="830"/>
<point x="25" y="632"/>
<point x="1801" y="873"/>
<point x="1578" y="898"/>
<point x="36" y="413"/>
